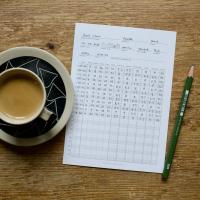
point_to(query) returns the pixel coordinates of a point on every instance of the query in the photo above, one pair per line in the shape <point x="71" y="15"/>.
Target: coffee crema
<point x="20" y="96"/>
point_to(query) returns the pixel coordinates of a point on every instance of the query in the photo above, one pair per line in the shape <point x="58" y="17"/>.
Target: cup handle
<point x="45" y="114"/>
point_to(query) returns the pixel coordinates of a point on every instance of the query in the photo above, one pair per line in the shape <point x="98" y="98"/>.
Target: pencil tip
<point x="191" y="72"/>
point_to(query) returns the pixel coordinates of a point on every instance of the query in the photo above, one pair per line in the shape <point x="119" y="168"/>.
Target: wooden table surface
<point x="37" y="172"/>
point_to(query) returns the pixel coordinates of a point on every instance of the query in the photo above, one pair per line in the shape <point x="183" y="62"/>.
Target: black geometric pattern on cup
<point x="56" y="96"/>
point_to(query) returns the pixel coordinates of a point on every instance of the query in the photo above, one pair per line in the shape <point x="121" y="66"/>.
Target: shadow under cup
<point x="22" y="96"/>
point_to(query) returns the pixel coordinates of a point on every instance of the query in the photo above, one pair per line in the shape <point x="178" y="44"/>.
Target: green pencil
<point x="177" y="127"/>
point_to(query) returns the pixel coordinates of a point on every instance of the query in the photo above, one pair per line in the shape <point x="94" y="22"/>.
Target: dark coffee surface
<point x="21" y="95"/>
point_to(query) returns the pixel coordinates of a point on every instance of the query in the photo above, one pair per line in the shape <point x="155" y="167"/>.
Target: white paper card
<point x="122" y="79"/>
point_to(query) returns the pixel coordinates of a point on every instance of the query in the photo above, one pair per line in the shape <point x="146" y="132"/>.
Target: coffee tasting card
<point x="122" y="79"/>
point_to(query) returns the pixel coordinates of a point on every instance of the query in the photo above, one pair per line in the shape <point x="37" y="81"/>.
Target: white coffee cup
<point x="22" y="97"/>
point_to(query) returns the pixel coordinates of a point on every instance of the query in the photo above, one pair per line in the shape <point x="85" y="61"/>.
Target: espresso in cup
<point x="22" y="96"/>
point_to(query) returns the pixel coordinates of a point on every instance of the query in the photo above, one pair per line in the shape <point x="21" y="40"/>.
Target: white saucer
<point x="62" y="71"/>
